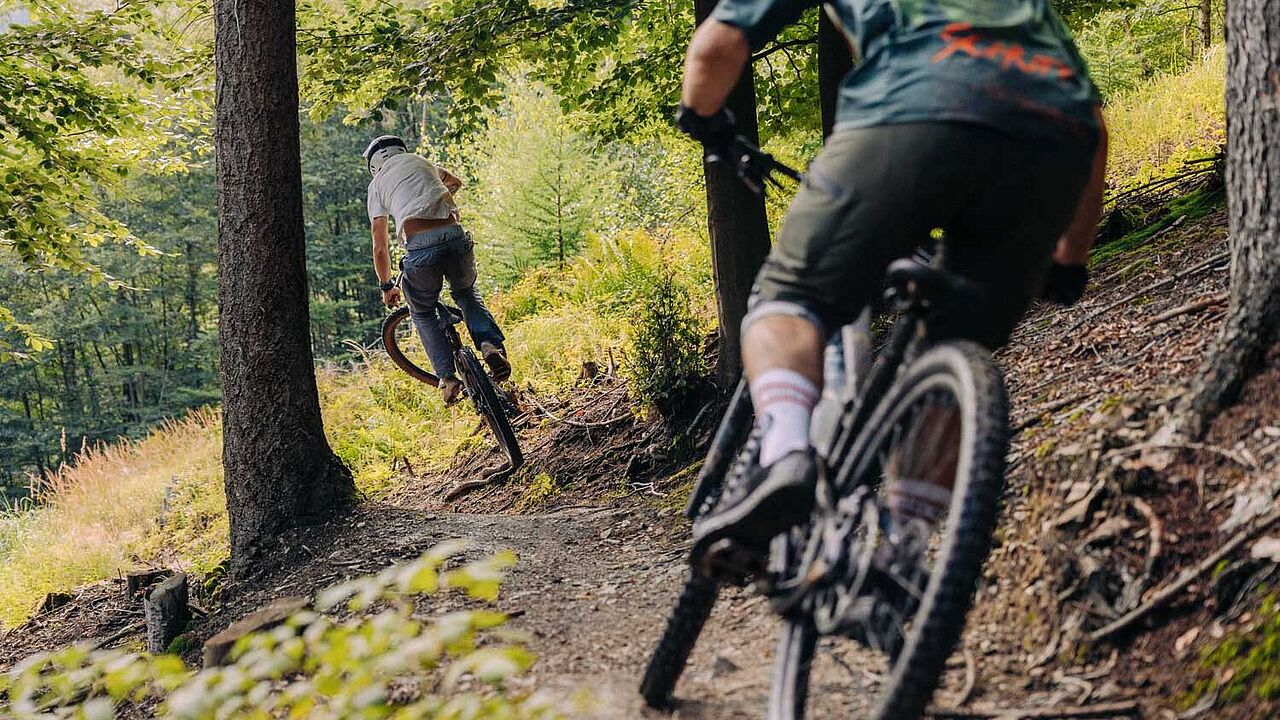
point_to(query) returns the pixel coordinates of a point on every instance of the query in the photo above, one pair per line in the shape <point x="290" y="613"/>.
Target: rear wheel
<point x="490" y="405"/>
<point x="400" y="339"/>
<point x="911" y="619"/>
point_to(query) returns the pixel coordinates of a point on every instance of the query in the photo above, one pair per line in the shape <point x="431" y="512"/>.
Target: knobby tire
<point x="684" y="625"/>
<point x="968" y="371"/>
<point x="397" y="355"/>
<point x="489" y="405"/>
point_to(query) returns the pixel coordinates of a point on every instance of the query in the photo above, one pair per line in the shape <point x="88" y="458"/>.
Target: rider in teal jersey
<point x="974" y="116"/>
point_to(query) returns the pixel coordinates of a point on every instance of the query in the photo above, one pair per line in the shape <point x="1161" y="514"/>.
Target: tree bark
<point x="739" y="228"/>
<point x="834" y="62"/>
<point x="1206" y="24"/>
<point x="1253" y="200"/>
<point x="278" y="469"/>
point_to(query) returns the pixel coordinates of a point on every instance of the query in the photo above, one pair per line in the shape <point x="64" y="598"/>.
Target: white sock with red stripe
<point x="784" y="401"/>
<point x="918" y="500"/>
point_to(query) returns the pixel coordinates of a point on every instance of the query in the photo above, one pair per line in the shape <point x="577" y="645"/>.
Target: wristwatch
<point x="389" y="285"/>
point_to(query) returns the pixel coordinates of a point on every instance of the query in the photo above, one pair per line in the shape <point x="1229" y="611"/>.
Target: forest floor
<point x="1097" y="521"/>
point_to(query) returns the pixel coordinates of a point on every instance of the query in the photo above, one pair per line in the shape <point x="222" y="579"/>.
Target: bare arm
<point x="452" y="182"/>
<point x="715" y="60"/>
<point x="1073" y="247"/>
<point x="382" y="259"/>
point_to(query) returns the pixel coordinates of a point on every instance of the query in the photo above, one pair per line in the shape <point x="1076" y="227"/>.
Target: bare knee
<point x="783" y="341"/>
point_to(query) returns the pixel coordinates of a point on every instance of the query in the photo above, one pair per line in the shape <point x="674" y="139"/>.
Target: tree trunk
<point x="193" y="316"/>
<point x="739" y="228"/>
<point x="1206" y="23"/>
<point x="279" y="470"/>
<point x="834" y="61"/>
<point x="1253" y="200"/>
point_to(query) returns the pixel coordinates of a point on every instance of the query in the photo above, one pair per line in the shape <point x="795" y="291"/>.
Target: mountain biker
<point x="976" y="117"/>
<point x="419" y="196"/>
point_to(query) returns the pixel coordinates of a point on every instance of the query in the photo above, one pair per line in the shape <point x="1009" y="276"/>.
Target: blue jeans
<point x="446" y="252"/>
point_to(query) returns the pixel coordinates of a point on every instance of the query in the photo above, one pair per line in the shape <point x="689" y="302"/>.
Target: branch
<point x="776" y="47"/>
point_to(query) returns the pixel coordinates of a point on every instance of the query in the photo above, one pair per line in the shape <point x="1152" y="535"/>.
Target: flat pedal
<point x="731" y="562"/>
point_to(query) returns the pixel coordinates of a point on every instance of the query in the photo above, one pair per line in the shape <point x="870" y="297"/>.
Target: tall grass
<point x="1172" y="119"/>
<point x="98" y="515"/>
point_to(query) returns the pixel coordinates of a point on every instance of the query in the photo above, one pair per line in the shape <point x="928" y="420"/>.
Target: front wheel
<point x="684" y="625"/>
<point x="490" y="405"/>
<point x="947" y="409"/>
<point x="401" y="343"/>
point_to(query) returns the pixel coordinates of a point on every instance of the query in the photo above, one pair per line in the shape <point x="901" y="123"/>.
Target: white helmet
<point x="380" y="149"/>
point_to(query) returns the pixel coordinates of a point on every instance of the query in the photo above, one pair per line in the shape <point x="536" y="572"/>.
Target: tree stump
<point x="219" y="646"/>
<point x="166" y="612"/>
<point x="139" y="580"/>
<point x="54" y="600"/>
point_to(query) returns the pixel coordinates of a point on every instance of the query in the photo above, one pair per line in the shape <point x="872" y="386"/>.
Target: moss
<point x="180" y="645"/>
<point x="1189" y="207"/>
<point x="1246" y="663"/>
<point x="1046" y="447"/>
<point x="542" y="488"/>
<point x="681" y="485"/>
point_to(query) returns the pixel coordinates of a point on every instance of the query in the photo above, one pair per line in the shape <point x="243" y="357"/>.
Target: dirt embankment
<point x="1097" y="524"/>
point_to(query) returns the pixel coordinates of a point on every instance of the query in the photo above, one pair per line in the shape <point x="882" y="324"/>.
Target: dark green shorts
<point x="875" y="194"/>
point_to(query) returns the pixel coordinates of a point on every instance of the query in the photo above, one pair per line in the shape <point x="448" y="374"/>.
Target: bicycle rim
<point x="489" y="405"/>
<point x="963" y="374"/>
<point x="400" y="341"/>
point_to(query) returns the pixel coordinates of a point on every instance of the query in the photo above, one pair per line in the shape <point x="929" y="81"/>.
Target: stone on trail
<point x="217" y="647"/>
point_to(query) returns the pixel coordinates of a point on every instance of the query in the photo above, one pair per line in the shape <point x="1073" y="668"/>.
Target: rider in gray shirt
<point x="419" y="196"/>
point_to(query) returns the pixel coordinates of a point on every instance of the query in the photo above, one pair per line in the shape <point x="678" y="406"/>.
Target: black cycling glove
<point x="1065" y="283"/>
<point x="715" y="132"/>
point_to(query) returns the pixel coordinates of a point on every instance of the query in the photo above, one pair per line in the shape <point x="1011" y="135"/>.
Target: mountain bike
<point x="823" y="577"/>
<point x="401" y="342"/>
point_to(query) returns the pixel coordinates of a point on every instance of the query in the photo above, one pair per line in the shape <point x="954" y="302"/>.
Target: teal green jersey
<point x="1006" y="64"/>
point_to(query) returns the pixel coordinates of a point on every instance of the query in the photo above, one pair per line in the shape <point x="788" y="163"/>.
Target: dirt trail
<point x="593" y="587"/>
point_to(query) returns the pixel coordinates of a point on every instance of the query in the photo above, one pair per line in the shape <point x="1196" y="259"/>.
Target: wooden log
<point x="166" y="613"/>
<point x="219" y="646"/>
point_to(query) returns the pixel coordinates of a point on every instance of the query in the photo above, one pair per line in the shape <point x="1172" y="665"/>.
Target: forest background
<point x="587" y="208"/>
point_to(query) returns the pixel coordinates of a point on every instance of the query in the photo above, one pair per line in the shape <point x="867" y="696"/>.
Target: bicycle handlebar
<point x="755" y="167"/>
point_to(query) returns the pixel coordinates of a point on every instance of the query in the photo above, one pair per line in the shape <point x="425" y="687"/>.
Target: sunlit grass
<point x="96" y="516"/>
<point x="1170" y="120"/>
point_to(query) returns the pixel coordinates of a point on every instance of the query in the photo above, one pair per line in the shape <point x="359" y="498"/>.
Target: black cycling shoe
<point x="762" y="504"/>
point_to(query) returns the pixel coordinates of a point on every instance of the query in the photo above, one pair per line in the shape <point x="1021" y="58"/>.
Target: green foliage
<point x="616" y="65"/>
<point x="667" y="362"/>
<point x="1172" y="119"/>
<point x="539" y="186"/>
<point x="1130" y="43"/>
<point x="122" y="357"/>
<point x="371" y="657"/>
<point x="84" y="101"/>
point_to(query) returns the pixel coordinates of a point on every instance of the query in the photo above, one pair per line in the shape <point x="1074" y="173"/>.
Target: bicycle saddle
<point x="911" y="279"/>
<point x="452" y="314"/>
